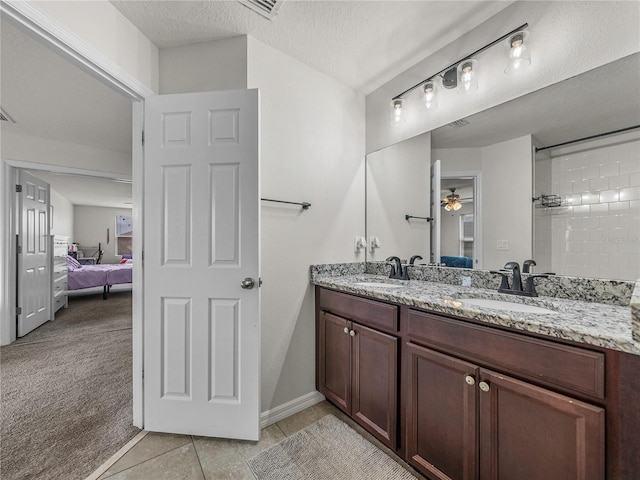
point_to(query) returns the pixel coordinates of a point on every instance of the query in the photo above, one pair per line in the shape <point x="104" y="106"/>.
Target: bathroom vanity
<point x="469" y="391"/>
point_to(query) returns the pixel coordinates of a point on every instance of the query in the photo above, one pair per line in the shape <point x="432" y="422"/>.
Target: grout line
<point x="117" y="456"/>
<point x="281" y="431"/>
<point x="195" y="449"/>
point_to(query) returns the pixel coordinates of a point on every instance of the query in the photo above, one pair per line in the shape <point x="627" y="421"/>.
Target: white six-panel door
<point x="34" y="274"/>
<point x="201" y="241"/>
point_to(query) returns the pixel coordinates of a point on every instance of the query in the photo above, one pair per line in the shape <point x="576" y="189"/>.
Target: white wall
<point x="398" y="184"/>
<point x="105" y="30"/>
<point x="507" y="189"/>
<point x="27" y="148"/>
<point x="312" y="144"/>
<point x="62" y="215"/>
<point x="567" y="38"/>
<point x="90" y="228"/>
<point x="219" y="65"/>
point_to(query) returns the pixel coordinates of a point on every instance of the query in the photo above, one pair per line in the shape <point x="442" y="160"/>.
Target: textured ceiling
<point x="361" y="43"/>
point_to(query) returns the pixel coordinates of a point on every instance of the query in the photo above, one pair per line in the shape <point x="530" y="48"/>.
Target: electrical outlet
<point x="465" y="281"/>
<point x="502" y="245"/>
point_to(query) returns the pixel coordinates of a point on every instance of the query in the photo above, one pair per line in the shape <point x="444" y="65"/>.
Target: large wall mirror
<point x="585" y="220"/>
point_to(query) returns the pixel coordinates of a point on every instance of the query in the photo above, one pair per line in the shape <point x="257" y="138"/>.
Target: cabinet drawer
<point x="60" y="284"/>
<point x="59" y="302"/>
<point x="367" y="312"/>
<point x="570" y="369"/>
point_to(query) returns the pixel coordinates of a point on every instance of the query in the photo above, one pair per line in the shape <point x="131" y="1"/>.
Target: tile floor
<point x="184" y="457"/>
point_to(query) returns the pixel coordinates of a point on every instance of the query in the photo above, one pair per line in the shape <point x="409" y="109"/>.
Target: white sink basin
<point x="502" y="305"/>
<point x="378" y="285"/>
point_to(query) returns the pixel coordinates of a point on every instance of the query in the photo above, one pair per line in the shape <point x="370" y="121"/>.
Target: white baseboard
<point x="287" y="409"/>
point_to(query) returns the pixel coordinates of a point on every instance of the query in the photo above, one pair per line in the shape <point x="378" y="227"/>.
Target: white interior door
<point x="34" y="272"/>
<point x="201" y="243"/>
<point x="435" y="211"/>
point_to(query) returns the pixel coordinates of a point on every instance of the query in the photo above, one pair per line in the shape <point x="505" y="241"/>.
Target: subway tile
<point x="581" y="186"/>
<point x="599" y="208"/>
<point x="619" y="206"/>
<point x="572" y="175"/>
<point x="609" y="221"/>
<point x="590" y="172"/>
<point x="589" y="198"/>
<point x="631" y="193"/>
<point x="634" y="179"/>
<point x="573" y="199"/>
<point x="596" y="185"/>
<point x="581" y="209"/>
<point x="619" y="181"/>
<point x="609" y="170"/>
<point x="630" y="165"/>
<point x="609" y="196"/>
<point x="634" y="205"/>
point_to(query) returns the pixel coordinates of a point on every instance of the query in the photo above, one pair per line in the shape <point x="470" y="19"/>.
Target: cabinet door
<point x="334" y="360"/>
<point x="441" y="399"/>
<point x="533" y="433"/>
<point x="374" y="382"/>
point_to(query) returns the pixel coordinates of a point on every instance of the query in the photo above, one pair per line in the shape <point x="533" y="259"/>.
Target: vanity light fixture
<point x="462" y="73"/>
<point x="430" y="95"/>
<point x="397" y="111"/>
<point x="519" y="55"/>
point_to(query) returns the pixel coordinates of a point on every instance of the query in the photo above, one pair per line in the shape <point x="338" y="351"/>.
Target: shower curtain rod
<point x="613" y="132"/>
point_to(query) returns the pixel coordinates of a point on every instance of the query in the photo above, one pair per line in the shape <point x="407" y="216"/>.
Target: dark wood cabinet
<point x="462" y="400"/>
<point x="533" y="433"/>
<point x="465" y="422"/>
<point x="442" y="416"/>
<point x="334" y="365"/>
<point x="357" y="370"/>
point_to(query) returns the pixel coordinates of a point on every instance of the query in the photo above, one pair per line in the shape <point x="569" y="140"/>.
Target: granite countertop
<point x="608" y="326"/>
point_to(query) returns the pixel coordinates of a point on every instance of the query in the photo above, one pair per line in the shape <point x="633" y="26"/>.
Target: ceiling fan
<point x="453" y="201"/>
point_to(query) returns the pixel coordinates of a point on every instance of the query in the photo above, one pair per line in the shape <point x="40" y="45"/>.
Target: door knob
<point x="470" y="380"/>
<point x="248" y="283"/>
<point x="352" y="333"/>
<point x="484" y="386"/>
<point x="346" y="329"/>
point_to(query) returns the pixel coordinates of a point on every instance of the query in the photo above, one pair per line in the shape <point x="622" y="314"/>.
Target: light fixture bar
<point x="455" y="64"/>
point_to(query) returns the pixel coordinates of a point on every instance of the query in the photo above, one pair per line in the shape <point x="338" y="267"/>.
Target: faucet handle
<point x="504" y="284"/>
<point x="530" y="286"/>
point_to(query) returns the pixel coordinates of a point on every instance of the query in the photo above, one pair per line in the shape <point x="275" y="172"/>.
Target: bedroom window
<point x="124" y="234"/>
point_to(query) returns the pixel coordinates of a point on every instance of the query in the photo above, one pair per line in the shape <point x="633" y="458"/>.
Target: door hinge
<point x="18" y="310"/>
<point x="143" y="137"/>
<point x="19" y="249"/>
<point x="18" y="188"/>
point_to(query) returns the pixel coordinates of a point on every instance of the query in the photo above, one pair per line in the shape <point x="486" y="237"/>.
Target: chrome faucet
<point x="397" y="270"/>
<point x="414" y="258"/>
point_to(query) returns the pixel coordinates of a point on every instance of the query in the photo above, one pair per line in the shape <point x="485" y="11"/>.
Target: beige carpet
<point x="65" y="391"/>
<point x="327" y="449"/>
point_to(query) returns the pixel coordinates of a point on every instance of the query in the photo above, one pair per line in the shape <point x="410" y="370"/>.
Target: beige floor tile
<point x="178" y="464"/>
<point x="151" y="446"/>
<point x="226" y="459"/>
<point x="303" y="419"/>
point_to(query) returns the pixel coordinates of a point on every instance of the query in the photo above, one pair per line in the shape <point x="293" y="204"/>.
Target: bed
<point x="103" y="275"/>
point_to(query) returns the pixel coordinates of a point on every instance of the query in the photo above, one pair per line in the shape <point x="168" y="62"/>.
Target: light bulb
<point x="519" y="56"/>
<point x="448" y="207"/>
<point x="397" y="111"/>
<point x="468" y="77"/>
<point x="457" y="206"/>
<point x="430" y="97"/>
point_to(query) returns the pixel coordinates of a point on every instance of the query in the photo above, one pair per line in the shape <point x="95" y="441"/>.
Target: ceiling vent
<point x="4" y="117"/>
<point x="266" y="8"/>
<point x="459" y="123"/>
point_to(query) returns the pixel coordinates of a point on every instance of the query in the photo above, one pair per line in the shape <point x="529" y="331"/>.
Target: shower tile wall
<point x="596" y="231"/>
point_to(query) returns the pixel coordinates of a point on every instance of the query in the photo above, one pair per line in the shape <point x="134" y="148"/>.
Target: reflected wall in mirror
<point x="398" y="185"/>
<point x="594" y="231"/>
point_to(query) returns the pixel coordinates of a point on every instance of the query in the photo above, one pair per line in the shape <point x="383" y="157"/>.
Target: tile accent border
<point x="117" y="456"/>
<point x="287" y="409"/>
